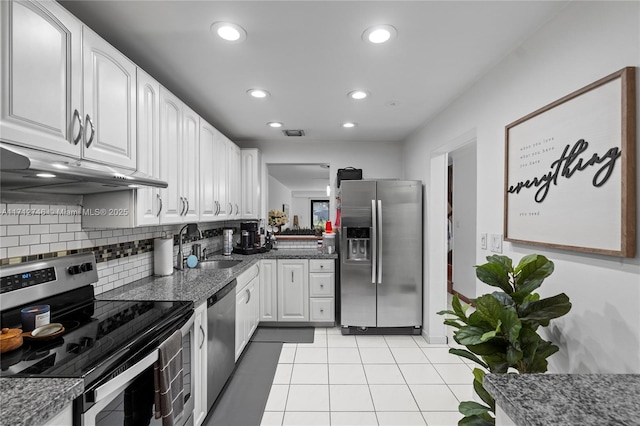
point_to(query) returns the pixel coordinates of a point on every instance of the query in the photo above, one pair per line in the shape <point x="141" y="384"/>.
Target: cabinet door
<point x="200" y="365"/>
<point x="170" y="156"/>
<point x="234" y="185"/>
<point x="253" y="307"/>
<point x="109" y="103"/>
<point x="208" y="207"/>
<point x="251" y="183"/>
<point x="293" y="290"/>
<point x="190" y="164"/>
<point x="41" y="76"/>
<point x="268" y="290"/>
<point x="148" y="200"/>
<point x="241" y="322"/>
<point x="221" y="167"/>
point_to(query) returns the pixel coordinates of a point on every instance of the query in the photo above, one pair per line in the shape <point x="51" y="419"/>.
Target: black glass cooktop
<point x="99" y="335"/>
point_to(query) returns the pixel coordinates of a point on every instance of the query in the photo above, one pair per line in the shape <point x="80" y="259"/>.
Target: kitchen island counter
<point x="34" y="401"/>
<point x="196" y="284"/>
<point x="566" y="399"/>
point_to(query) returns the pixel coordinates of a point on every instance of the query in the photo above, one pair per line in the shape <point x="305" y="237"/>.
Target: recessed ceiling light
<point x="349" y="125"/>
<point x="274" y="124"/>
<point x="379" y="34"/>
<point x="258" y="93"/>
<point x="229" y="32"/>
<point x="358" y="94"/>
<point x="46" y="175"/>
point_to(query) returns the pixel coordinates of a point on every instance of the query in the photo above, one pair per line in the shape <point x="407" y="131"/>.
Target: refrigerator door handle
<point x="379" y="227"/>
<point x="374" y="237"/>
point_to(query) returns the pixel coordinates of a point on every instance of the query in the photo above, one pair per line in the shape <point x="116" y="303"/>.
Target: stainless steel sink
<point x="218" y="264"/>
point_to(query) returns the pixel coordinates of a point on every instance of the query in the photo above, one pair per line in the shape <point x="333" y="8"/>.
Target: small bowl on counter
<point x="10" y="339"/>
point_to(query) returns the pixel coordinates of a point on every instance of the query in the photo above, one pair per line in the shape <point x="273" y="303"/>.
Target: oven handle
<point x="122" y="379"/>
<point x="111" y="386"/>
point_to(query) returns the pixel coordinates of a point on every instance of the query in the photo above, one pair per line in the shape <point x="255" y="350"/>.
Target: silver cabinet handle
<point x="203" y="339"/>
<point x="321" y="285"/>
<point x="76" y="116"/>
<point x="291" y="276"/>
<point x="217" y="208"/>
<point x="187" y="209"/>
<point x="321" y="310"/>
<point x="93" y="130"/>
<point x="183" y="206"/>
<point x="230" y="209"/>
<point x="237" y="210"/>
<point x="248" y="295"/>
<point x="160" y="208"/>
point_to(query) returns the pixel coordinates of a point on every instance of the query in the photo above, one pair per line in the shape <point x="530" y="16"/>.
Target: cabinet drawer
<point x="321" y="285"/>
<point x="246" y="277"/>
<point x="321" y="265"/>
<point x="321" y="310"/>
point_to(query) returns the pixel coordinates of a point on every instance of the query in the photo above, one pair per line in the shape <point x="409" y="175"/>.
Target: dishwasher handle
<point x="220" y="294"/>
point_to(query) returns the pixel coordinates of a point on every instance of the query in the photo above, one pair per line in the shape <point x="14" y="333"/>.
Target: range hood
<point x="20" y="168"/>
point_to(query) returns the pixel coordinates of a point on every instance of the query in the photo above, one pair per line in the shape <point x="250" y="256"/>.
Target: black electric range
<point x="101" y="338"/>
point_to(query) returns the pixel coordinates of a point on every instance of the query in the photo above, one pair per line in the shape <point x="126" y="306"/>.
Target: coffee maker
<point x="249" y="235"/>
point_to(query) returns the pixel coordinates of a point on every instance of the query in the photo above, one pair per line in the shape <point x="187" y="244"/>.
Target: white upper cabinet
<point x="208" y="205"/>
<point x="221" y="170"/>
<point x="171" y="156"/>
<point x="109" y="103"/>
<point x="234" y="182"/>
<point x="251" y="184"/>
<point x="41" y="79"/>
<point x="179" y="163"/>
<point x="149" y="203"/>
<point x="64" y="89"/>
<point x="190" y="179"/>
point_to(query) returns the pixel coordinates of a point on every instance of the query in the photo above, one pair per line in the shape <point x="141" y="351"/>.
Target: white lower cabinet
<point x="268" y="290"/>
<point x="200" y="364"/>
<point x="297" y="290"/>
<point x="322" y="279"/>
<point x="293" y="290"/>
<point x="247" y="307"/>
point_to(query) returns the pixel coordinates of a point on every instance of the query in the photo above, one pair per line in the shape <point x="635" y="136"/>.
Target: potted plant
<point x="501" y="334"/>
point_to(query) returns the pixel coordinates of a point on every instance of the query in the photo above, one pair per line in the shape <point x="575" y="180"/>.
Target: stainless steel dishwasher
<point x="221" y="340"/>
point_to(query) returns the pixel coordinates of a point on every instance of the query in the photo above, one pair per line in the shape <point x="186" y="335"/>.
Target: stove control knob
<point x="85" y="267"/>
<point x="73" y="270"/>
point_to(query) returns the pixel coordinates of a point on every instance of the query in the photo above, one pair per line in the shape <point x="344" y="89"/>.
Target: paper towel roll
<point x="163" y="256"/>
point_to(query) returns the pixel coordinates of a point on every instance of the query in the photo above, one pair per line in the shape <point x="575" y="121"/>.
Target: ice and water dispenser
<point x="358" y="244"/>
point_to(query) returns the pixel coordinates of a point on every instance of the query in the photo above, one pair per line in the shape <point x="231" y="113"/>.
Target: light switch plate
<point x="483" y="240"/>
<point x="496" y="243"/>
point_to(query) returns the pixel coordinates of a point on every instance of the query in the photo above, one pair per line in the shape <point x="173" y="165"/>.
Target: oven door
<point x="120" y="400"/>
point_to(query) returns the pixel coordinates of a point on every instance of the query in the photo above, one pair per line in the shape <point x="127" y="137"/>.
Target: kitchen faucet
<point x="192" y="231"/>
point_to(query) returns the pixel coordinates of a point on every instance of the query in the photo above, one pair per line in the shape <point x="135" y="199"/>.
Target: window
<point x="319" y="213"/>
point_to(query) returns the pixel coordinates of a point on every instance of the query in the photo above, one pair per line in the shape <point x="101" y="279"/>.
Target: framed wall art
<point x="570" y="171"/>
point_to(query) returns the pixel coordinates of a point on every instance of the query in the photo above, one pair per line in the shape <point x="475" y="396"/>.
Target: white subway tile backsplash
<point x="26" y="240"/>
<point x="29" y="219"/>
<point x="57" y="228"/>
<point x="49" y="218"/>
<point x="10" y="219"/>
<point x="18" y="251"/>
<point x="10" y="241"/>
<point x="3" y="230"/>
<point x="74" y="227"/>
<point x="39" y="248"/>
<point x="18" y="229"/>
<point x="49" y="238"/>
<point x="57" y="246"/>
<point x="66" y="236"/>
<point x="3" y="253"/>
<point x="39" y="229"/>
<point x="74" y="245"/>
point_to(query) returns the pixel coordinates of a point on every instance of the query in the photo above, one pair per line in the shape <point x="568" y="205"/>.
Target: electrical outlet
<point x="483" y="240"/>
<point x="496" y="243"/>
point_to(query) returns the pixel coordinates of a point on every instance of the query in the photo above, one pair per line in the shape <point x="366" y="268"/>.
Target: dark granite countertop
<point x="198" y="284"/>
<point x="32" y="401"/>
<point x="567" y="399"/>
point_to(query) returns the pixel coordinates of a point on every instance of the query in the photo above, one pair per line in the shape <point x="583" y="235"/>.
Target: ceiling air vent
<point x="293" y="132"/>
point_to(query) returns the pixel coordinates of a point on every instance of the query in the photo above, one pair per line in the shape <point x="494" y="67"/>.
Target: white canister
<point x="227" y="242"/>
<point x="163" y="256"/>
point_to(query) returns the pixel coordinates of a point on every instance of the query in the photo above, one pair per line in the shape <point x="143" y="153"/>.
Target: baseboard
<point x="435" y="340"/>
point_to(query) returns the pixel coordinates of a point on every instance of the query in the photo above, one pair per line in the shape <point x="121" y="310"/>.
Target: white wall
<point x="301" y="205"/>
<point x="377" y="160"/>
<point x="278" y="195"/>
<point x="586" y="41"/>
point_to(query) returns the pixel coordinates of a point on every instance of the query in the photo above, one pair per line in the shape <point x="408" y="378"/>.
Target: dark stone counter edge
<point x="34" y="401"/>
<point x="568" y="399"/>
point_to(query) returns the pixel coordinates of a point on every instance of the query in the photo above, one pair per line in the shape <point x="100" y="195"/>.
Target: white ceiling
<point x="310" y="54"/>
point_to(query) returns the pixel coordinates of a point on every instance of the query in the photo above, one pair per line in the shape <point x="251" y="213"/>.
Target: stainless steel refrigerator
<point x="381" y="255"/>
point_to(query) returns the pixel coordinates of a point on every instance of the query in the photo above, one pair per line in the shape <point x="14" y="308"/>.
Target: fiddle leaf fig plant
<point x="501" y="333"/>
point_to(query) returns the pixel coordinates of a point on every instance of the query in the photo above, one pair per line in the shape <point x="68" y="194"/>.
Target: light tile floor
<point x="367" y="380"/>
